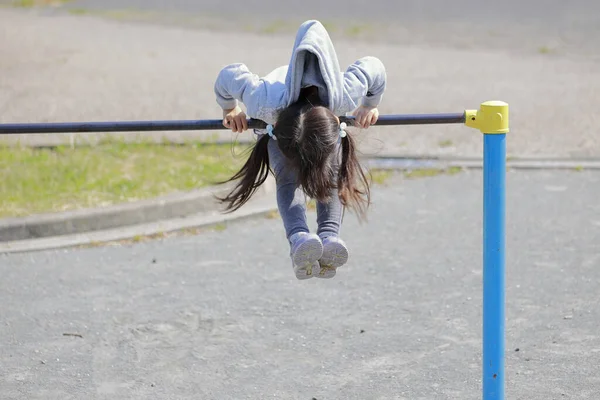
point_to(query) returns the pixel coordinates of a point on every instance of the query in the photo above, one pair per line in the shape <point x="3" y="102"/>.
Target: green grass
<point x="430" y="172"/>
<point x="124" y="14"/>
<point x="116" y="14"/>
<point x="273" y="214"/>
<point x="220" y="227"/>
<point x="78" y="11"/>
<point x="380" y="176"/>
<point x="330" y="26"/>
<point x="38" y="3"/>
<point x="358" y="30"/>
<point x="50" y="180"/>
<point x="276" y="26"/>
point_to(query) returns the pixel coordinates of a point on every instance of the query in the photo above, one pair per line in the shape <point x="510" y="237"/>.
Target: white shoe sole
<point x="306" y="258"/>
<point x="335" y="254"/>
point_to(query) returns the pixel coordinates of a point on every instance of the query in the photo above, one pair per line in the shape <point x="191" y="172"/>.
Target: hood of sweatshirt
<point x="314" y="62"/>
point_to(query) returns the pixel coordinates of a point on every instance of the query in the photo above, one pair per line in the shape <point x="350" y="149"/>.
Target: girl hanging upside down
<point x="305" y="146"/>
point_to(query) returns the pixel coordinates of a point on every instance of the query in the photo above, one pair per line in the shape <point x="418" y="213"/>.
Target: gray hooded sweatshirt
<point x="313" y="63"/>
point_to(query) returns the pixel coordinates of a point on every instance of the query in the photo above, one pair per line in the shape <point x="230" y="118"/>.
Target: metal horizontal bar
<point x="208" y="124"/>
<point x="420" y="119"/>
<point x="122" y="126"/>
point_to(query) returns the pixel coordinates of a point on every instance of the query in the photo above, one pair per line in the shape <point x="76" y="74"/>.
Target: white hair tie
<point x="270" y="131"/>
<point x="342" y="131"/>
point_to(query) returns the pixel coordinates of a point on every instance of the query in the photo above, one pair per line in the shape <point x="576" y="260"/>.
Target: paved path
<point x="220" y="316"/>
<point x="62" y="67"/>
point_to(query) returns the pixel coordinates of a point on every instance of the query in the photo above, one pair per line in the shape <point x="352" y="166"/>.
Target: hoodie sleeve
<point x="236" y="83"/>
<point x="366" y="80"/>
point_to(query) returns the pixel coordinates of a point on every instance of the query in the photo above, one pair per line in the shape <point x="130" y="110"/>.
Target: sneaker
<point x="335" y="254"/>
<point x="306" y="251"/>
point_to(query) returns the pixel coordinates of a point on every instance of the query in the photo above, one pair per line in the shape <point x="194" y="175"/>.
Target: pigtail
<point x="353" y="185"/>
<point x="253" y="174"/>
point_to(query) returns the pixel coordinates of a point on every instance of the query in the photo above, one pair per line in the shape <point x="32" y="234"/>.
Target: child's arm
<point x="236" y="83"/>
<point x="365" y="81"/>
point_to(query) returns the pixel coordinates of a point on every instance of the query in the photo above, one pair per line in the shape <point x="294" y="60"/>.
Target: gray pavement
<point x="220" y="316"/>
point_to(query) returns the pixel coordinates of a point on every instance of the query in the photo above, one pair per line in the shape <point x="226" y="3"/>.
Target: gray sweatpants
<point x="291" y="200"/>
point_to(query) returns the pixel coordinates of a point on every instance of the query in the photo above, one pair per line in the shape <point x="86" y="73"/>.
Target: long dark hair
<point x="307" y="134"/>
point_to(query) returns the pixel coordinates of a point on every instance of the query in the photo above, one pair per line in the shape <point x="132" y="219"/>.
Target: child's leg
<point x="329" y="215"/>
<point x="290" y="198"/>
<point x="305" y="249"/>
<point x="329" y="220"/>
<point x="335" y="253"/>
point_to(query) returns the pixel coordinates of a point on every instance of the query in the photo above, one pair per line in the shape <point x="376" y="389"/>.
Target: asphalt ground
<point x="220" y="315"/>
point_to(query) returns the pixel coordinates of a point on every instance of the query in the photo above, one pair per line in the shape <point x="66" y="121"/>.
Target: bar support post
<point x="492" y="120"/>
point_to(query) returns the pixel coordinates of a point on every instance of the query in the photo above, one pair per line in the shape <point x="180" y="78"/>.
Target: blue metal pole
<point x="494" y="177"/>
